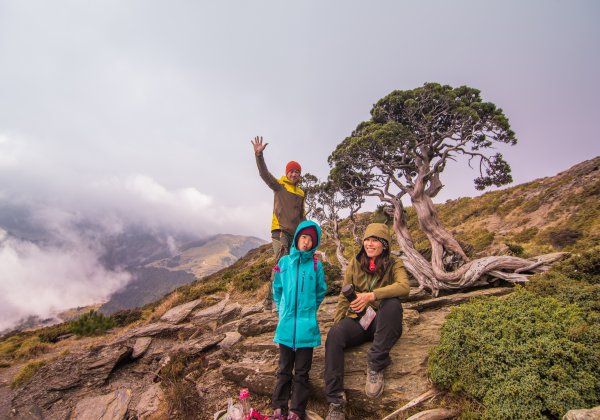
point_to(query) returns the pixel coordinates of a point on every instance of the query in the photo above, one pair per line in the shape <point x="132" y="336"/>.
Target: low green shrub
<point x="253" y="277"/>
<point x="92" y="323"/>
<point x="523" y="357"/>
<point x="525" y="235"/>
<point x="515" y="249"/>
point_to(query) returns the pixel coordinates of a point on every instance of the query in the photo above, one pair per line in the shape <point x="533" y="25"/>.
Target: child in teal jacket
<point x="298" y="290"/>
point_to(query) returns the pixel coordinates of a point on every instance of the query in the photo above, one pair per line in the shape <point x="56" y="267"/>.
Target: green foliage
<point x="525" y="235"/>
<point x="10" y="345"/>
<point x="576" y="281"/>
<point x="476" y="240"/>
<point x="515" y="249"/>
<point x="52" y="333"/>
<point x="21" y="346"/>
<point x="27" y="372"/>
<point x="31" y="347"/>
<point x="91" y="323"/>
<point x="526" y="356"/>
<point x="254" y="277"/>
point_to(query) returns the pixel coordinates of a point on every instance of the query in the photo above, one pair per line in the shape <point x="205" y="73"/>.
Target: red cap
<point x="292" y="164"/>
<point x="310" y="231"/>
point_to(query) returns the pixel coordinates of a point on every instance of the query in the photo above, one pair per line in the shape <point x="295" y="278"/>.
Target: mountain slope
<point x="195" y="260"/>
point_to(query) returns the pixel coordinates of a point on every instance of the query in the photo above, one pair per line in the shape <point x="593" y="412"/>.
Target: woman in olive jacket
<point x="379" y="279"/>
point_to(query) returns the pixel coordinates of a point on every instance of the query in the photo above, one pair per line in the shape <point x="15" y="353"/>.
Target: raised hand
<point x="258" y="145"/>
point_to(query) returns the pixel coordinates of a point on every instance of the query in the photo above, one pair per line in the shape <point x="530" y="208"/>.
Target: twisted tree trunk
<point x="432" y="275"/>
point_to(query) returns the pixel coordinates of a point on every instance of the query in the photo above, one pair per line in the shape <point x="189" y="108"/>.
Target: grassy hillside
<point x="554" y="213"/>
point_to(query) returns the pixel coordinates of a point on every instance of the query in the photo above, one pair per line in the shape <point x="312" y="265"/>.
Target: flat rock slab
<point x="111" y="406"/>
<point x="210" y="313"/>
<point x="140" y="347"/>
<point x="231" y="338"/>
<point x="258" y="324"/>
<point x="180" y="313"/>
<point x="155" y="329"/>
<point x="149" y="401"/>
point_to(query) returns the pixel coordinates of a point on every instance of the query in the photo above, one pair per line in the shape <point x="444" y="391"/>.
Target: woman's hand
<point x="361" y="301"/>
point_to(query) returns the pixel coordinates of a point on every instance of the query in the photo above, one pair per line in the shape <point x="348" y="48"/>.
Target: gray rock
<point x="140" y="347"/>
<point x="230" y="326"/>
<point x="155" y="329"/>
<point x="231" y="338"/>
<point x="111" y="406"/>
<point x="251" y="310"/>
<point x="258" y="324"/>
<point x="149" y="401"/>
<point x="210" y="313"/>
<point x="180" y="313"/>
<point x="229" y="313"/>
<point x="108" y="357"/>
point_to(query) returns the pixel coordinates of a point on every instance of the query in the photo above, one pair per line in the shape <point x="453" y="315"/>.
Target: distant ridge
<point x="192" y="262"/>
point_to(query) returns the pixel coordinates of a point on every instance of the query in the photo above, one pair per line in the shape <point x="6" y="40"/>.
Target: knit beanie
<point x="291" y="165"/>
<point x="310" y="231"/>
<point x="384" y="242"/>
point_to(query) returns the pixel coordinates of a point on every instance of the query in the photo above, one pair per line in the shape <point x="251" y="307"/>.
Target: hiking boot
<point x="278" y="415"/>
<point x="374" y="385"/>
<point x="336" y="412"/>
<point x="293" y="416"/>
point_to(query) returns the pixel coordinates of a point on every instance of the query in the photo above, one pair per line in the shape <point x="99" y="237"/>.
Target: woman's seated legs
<point x="387" y="332"/>
<point x="344" y="334"/>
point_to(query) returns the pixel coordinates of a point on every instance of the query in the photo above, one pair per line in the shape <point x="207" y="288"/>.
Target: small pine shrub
<point x="91" y="323"/>
<point x="523" y="357"/>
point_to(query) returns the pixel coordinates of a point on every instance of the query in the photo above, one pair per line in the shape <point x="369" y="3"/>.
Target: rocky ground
<point x="230" y="346"/>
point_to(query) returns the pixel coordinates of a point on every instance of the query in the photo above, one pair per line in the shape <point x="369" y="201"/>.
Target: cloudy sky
<point x="143" y="110"/>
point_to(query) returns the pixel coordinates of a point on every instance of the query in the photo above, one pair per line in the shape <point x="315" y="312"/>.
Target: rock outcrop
<point x="234" y="343"/>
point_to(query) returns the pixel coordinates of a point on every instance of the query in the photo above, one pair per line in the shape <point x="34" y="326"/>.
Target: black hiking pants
<point x="384" y="331"/>
<point x="296" y="384"/>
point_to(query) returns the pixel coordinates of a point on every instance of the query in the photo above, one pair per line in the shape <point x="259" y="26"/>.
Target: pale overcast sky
<point x="145" y="109"/>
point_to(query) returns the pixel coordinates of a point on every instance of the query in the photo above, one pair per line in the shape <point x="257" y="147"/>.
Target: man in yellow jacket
<point x="288" y="204"/>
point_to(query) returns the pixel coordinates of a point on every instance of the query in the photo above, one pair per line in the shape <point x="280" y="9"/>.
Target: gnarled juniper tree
<point x="324" y="202"/>
<point x="403" y="150"/>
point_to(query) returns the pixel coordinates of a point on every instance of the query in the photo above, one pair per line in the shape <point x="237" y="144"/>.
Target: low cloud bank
<point x="41" y="281"/>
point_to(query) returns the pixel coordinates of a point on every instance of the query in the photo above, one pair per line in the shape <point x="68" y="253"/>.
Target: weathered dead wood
<point x="455" y="299"/>
<point x="423" y="397"/>
<point x="435" y="414"/>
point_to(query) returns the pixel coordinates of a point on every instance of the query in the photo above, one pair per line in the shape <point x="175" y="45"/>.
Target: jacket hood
<point x="378" y="230"/>
<point x="301" y="226"/>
